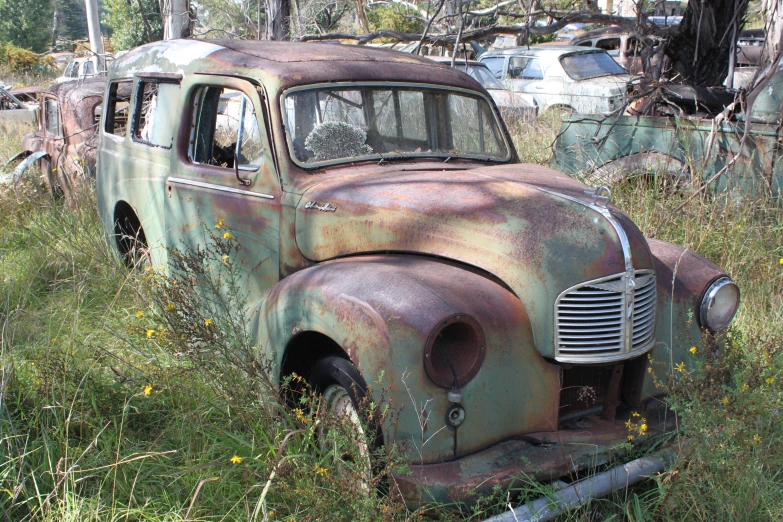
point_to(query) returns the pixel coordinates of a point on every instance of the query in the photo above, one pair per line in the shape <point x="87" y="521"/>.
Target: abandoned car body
<point x="69" y="118"/>
<point x="607" y="151"/>
<point x="17" y="109"/>
<point x="573" y="79"/>
<point x="388" y="228"/>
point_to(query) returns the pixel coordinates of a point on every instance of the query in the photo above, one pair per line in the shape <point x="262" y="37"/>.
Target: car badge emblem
<point x="326" y="207"/>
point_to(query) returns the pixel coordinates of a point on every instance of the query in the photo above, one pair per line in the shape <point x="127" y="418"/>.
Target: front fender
<point x="381" y="311"/>
<point x="682" y="277"/>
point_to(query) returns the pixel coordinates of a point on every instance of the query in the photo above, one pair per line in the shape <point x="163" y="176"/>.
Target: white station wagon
<point x="571" y="79"/>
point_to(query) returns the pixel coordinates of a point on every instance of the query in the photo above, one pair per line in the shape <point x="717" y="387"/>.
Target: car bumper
<point x="571" y="453"/>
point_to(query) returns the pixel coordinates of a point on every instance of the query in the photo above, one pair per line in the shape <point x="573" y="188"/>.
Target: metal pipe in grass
<point x="581" y="492"/>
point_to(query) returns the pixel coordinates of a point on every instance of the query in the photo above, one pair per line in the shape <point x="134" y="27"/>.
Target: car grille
<point x="598" y="321"/>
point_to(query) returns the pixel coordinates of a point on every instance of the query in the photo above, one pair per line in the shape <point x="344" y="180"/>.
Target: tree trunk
<point x="176" y="19"/>
<point x="144" y="19"/>
<point x="278" y="13"/>
<point x="699" y="47"/>
<point x="362" y="16"/>
<point x="56" y="22"/>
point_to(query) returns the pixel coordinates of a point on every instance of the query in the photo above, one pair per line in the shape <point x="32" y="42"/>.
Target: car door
<point x="224" y="185"/>
<point x="525" y="74"/>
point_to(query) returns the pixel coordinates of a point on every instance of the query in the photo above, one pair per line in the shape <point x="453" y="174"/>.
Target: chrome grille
<point x="598" y="320"/>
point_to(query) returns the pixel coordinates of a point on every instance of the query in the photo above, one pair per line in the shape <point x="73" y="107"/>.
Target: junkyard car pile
<point x="387" y="227"/>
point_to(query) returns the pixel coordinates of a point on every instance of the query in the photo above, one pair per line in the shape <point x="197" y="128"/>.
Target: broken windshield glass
<point x="330" y="125"/>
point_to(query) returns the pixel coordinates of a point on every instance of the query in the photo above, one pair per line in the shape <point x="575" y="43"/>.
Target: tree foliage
<point x="124" y="19"/>
<point x="26" y="23"/>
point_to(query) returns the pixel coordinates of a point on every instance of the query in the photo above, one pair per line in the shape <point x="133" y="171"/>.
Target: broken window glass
<point x="155" y="118"/>
<point x="522" y="68"/>
<point x="584" y="66"/>
<point x="52" y="117"/>
<point x="226" y="128"/>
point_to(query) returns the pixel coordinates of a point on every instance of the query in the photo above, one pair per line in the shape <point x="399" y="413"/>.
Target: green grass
<point x="81" y="440"/>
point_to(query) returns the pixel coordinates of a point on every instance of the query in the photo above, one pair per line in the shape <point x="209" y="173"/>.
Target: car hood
<point x="526" y="225"/>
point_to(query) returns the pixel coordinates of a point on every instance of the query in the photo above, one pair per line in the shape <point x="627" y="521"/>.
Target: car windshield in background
<point x="482" y="75"/>
<point x="333" y="125"/>
<point x="584" y="66"/>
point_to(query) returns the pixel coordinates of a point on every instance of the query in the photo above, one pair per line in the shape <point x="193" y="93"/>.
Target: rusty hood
<point x="523" y="224"/>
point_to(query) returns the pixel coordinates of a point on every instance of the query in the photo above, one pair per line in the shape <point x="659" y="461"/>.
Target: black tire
<point x="333" y="378"/>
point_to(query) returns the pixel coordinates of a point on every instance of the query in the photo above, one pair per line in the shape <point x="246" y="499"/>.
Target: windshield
<point x="482" y="75"/>
<point x="590" y="65"/>
<point x="339" y="124"/>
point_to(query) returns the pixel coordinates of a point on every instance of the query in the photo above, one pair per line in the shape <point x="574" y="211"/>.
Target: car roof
<point x="542" y="50"/>
<point x="603" y="31"/>
<point x="280" y="65"/>
<point x="75" y="91"/>
<point x="458" y="61"/>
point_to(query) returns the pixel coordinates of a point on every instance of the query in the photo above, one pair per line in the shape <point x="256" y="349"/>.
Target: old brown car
<point x="69" y="117"/>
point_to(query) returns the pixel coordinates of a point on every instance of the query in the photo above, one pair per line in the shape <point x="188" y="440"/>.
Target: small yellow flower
<point x="744" y="387"/>
<point x="630" y="438"/>
<point x="320" y="471"/>
<point x="680" y="367"/>
<point x="693" y="350"/>
<point x="781" y="261"/>
<point x="208" y="322"/>
<point x="770" y="380"/>
<point x="725" y="401"/>
<point x="170" y="307"/>
<point x="219" y="224"/>
<point x="148" y="389"/>
<point x="226" y="236"/>
<point x="636" y="414"/>
<point x="139" y="314"/>
<point x="236" y="459"/>
<point x="150" y="333"/>
<point x="643" y="429"/>
<point x="225" y="258"/>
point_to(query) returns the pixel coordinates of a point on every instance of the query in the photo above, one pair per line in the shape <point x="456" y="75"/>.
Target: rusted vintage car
<point x="388" y="229"/>
<point x="683" y="143"/>
<point x="66" y="136"/>
<point x="18" y="107"/>
<point x="626" y="48"/>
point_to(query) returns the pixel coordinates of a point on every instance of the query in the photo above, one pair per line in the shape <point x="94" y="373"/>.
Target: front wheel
<point x="342" y="430"/>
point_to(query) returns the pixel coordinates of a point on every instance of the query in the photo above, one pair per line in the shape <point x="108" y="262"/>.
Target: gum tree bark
<point x="699" y="47"/>
<point x="278" y="13"/>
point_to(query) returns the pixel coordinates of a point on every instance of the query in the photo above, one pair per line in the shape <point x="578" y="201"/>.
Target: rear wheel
<point x="660" y="167"/>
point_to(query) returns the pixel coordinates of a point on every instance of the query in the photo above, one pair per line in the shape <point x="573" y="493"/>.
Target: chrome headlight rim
<point x="708" y="299"/>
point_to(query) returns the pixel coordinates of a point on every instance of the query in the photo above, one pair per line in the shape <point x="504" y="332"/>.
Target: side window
<point x="225" y="127"/>
<point x="89" y="68"/>
<point x="612" y="45"/>
<point x="586" y="43"/>
<point x="520" y="68"/>
<point x="154" y="117"/>
<point x="52" y="117"/>
<point x="495" y="65"/>
<point x="117" y="110"/>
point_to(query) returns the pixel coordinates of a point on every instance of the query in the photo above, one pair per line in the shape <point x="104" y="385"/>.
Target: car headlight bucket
<point x="454" y="351"/>
<point x="719" y="304"/>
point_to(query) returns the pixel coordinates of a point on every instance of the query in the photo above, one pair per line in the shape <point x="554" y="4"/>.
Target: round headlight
<point x="454" y="351"/>
<point x="719" y="304"/>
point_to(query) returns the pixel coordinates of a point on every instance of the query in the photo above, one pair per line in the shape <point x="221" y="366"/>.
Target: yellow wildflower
<point x="320" y="470"/>
<point x="693" y="350"/>
<point x="744" y="387"/>
<point x="781" y="261"/>
<point x="225" y="258"/>
<point x="170" y="307"/>
<point x="236" y="459"/>
<point x="636" y="414"/>
<point x="226" y="236"/>
<point x="725" y="401"/>
<point x="680" y="367"/>
<point x="219" y="224"/>
<point x="756" y="439"/>
<point x="139" y="314"/>
<point x="630" y="438"/>
<point x="770" y="380"/>
<point x="643" y="428"/>
<point x="208" y="322"/>
<point x="148" y="389"/>
<point x="150" y="333"/>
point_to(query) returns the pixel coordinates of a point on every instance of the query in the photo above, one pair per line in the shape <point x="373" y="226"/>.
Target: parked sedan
<point x="566" y="78"/>
<point x="514" y="106"/>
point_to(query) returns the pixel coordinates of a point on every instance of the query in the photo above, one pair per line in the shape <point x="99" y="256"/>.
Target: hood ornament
<point x="601" y="195"/>
<point x="326" y="207"/>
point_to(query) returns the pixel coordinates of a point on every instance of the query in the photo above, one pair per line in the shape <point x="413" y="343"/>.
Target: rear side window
<point x="155" y="115"/>
<point x="118" y="107"/>
<point x="225" y="127"/>
<point x="52" y="117"/>
<point x="495" y="65"/>
<point x="520" y="68"/>
<point x="89" y="68"/>
<point x="611" y="45"/>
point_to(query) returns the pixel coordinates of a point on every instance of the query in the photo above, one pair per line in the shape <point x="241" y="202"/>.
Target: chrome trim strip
<point x="220" y="188"/>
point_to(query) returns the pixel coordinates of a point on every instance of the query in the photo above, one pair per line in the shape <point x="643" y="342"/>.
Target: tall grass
<point x="103" y="417"/>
